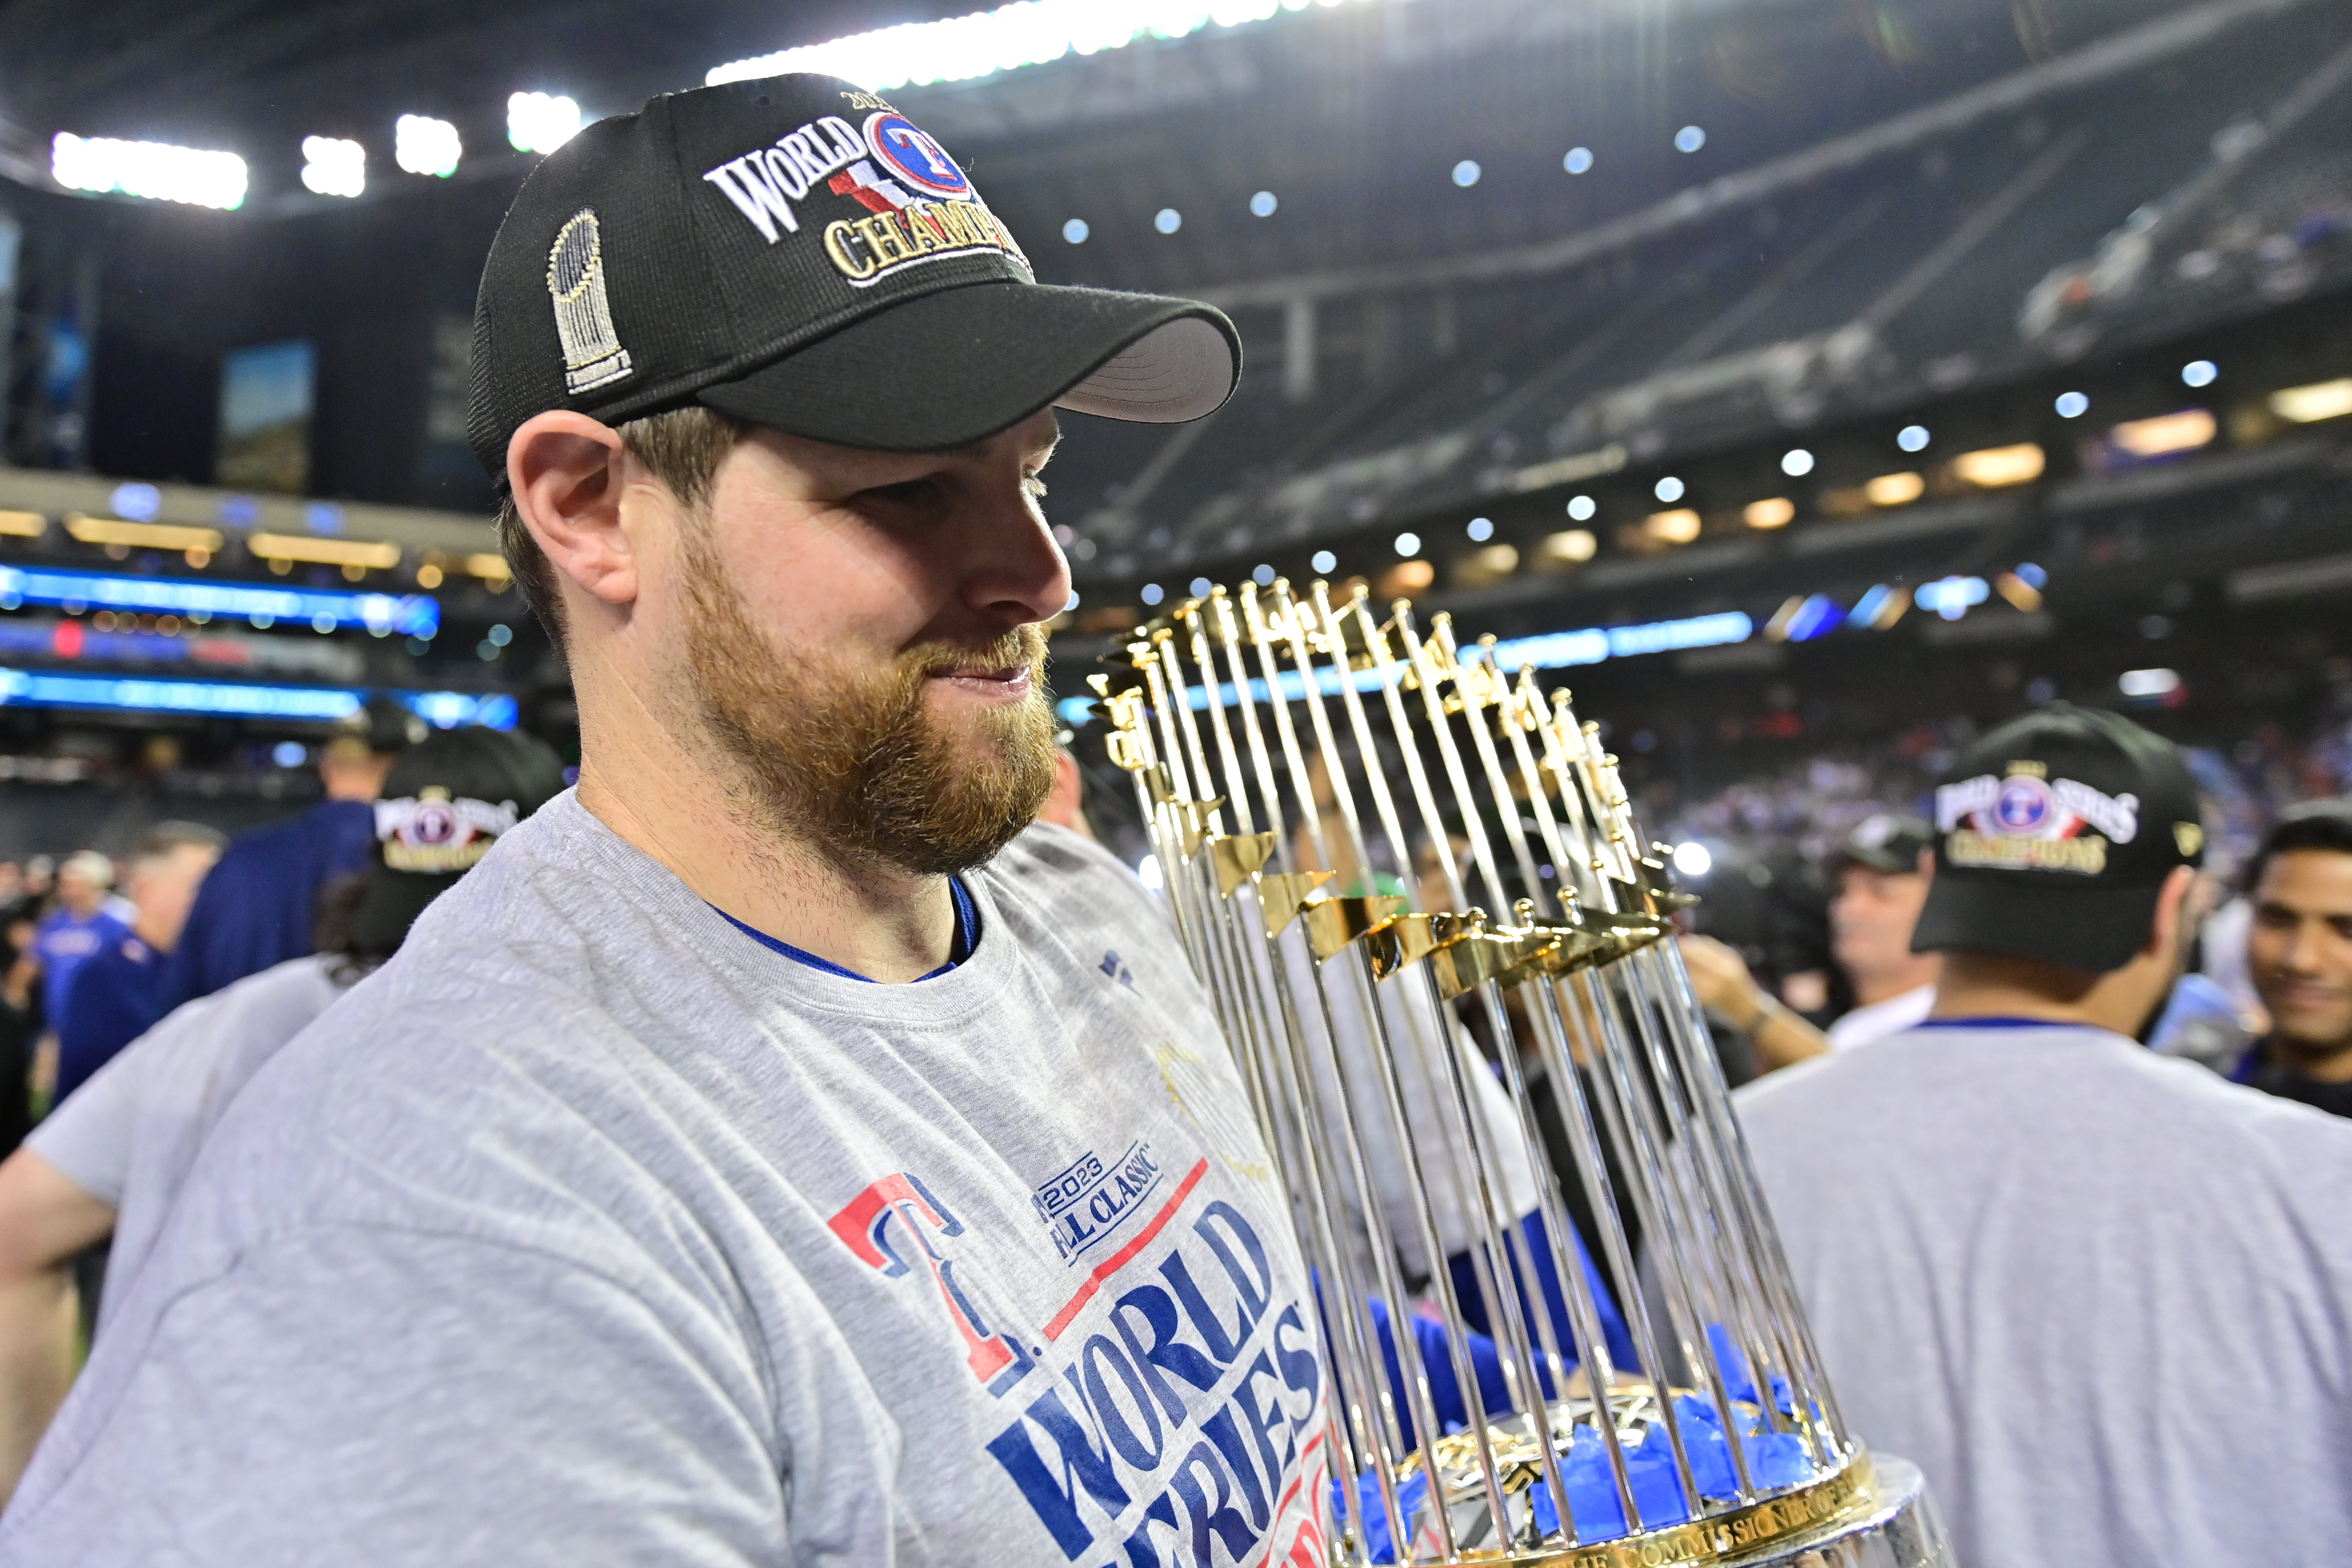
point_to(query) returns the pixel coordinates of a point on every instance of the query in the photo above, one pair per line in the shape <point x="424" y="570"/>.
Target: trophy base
<point x="1875" y="1512"/>
<point x="1899" y="1530"/>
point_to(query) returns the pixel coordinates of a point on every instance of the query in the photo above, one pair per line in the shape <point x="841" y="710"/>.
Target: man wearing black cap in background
<point x="110" y="1160"/>
<point x="1882" y="875"/>
<point x="258" y="906"/>
<point x="2102" y="1298"/>
<point x="738" y="1166"/>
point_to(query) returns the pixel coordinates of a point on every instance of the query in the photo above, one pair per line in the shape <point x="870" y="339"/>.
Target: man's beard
<point x="853" y="764"/>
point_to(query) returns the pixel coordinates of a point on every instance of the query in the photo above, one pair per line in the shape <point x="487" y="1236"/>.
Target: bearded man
<point x="771" y="1151"/>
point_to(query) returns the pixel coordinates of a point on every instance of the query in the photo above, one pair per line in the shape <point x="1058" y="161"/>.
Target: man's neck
<point x="1987" y="986"/>
<point x="1869" y="990"/>
<point x="674" y="804"/>
<point x="2328" y="1062"/>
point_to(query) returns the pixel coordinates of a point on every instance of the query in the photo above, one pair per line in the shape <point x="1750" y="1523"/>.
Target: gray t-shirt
<point x="130" y="1134"/>
<point x="2103" y="1299"/>
<point x="589" y="1230"/>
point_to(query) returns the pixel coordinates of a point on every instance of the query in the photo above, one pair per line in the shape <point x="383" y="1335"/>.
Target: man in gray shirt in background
<point x="747" y="1162"/>
<point x="2102" y="1298"/>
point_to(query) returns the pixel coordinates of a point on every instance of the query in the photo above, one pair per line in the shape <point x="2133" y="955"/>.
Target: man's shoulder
<point x="1053" y="865"/>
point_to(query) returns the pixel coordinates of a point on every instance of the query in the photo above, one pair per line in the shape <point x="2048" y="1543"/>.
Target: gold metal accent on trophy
<point x="1332" y="923"/>
<point x="1193" y="817"/>
<point x="1281" y="895"/>
<point x="1238" y="857"/>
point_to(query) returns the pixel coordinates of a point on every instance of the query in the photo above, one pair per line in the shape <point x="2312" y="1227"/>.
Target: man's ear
<point x="566" y="472"/>
<point x="2171" y="910"/>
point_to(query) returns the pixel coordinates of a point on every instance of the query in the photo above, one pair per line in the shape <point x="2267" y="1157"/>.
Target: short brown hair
<point x="683" y="446"/>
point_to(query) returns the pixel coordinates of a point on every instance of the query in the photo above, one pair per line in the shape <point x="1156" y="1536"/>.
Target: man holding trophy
<point x="771" y="1151"/>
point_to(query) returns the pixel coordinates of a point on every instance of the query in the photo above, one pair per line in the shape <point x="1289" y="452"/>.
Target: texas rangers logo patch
<point x="915" y="158"/>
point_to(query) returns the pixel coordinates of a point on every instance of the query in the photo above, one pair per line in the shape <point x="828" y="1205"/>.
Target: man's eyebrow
<point x="977" y="448"/>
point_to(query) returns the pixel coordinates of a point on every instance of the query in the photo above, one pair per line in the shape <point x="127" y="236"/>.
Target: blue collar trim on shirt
<point x="1996" y="1022"/>
<point x="967" y="938"/>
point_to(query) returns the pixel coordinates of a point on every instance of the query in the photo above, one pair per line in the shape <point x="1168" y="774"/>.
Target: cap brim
<point x="1876" y="860"/>
<point x="951" y="367"/>
<point x="2091" y="929"/>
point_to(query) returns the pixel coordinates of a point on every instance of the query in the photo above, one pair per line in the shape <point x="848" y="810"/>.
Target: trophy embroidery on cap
<point x="592" y="355"/>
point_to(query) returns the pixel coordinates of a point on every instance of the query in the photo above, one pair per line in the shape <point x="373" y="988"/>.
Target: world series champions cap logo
<point x="593" y="354"/>
<point x="921" y="205"/>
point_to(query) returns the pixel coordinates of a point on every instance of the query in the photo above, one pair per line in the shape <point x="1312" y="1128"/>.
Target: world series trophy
<point x="1282" y="752"/>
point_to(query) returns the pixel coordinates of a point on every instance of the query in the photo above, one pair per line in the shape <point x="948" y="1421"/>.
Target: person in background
<point x="1780" y="1034"/>
<point x="112" y="1159"/>
<point x="257" y="907"/>
<point x="87" y="920"/>
<point x="2102" y="1298"/>
<point x="2299" y="957"/>
<point x="117" y="995"/>
<point x="1883" y="876"/>
<point x="1066" y="807"/>
<point x="20" y="1018"/>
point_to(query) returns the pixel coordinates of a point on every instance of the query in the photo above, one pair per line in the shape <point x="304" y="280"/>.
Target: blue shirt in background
<point x="256" y="907"/>
<point x="65" y="941"/>
<point x="116" y="996"/>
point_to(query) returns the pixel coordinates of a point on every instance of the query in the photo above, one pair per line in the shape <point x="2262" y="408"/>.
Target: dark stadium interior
<point x="1940" y="215"/>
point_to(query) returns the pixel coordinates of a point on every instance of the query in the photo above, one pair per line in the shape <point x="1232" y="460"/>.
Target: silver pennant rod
<point x="1336" y="988"/>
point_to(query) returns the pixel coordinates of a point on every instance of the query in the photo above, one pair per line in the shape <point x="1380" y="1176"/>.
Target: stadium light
<point x="1263" y="204"/>
<point x="2199" y="373"/>
<point x="1991" y="468"/>
<point x="332" y="166"/>
<point x="413" y="613"/>
<point x="1693" y="859"/>
<point x="1773" y="512"/>
<point x="1895" y="490"/>
<point x="1074" y="232"/>
<point x="424" y="145"/>
<point x="1028" y="33"/>
<point x="1879" y="608"/>
<point x="1581" y="507"/>
<point x="1325" y="562"/>
<point x="1689" y="139"/>
<point x="2147" y="683"/>
<point x="1570" y="547"/>
<point x="1408" y="544"/>
<point x="1579" y="160"/>
<point x="1466" y="172"/>
<point x="1796" y="463"/>
<point x="1912" y="437"/>
<point x="1678" y="527"/>
<point x="1952" y="597"/>
<point x="156" y="171"/>
<point x="1669" y="490"/>
<point x="137" y="500"/>
<point x="540" y="122"/>
<point x="1153" y="592"/>
<point x="2165" y="434"/>
<point x="2309" y="405"/>
<point x="2071" y="404"/>
<point x="1168" y="220"/>
<point x="1480" y="529"/>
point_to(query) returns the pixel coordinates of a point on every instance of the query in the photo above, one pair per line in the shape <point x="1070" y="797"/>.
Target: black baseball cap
<point x="795" y="252"/>
<point x="446" y="803"/>
<point x="2055" y="832"/>
<point x="1888" y="843"/>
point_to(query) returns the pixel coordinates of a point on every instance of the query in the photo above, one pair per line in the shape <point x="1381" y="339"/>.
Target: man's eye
<point x="908" y="492"/>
